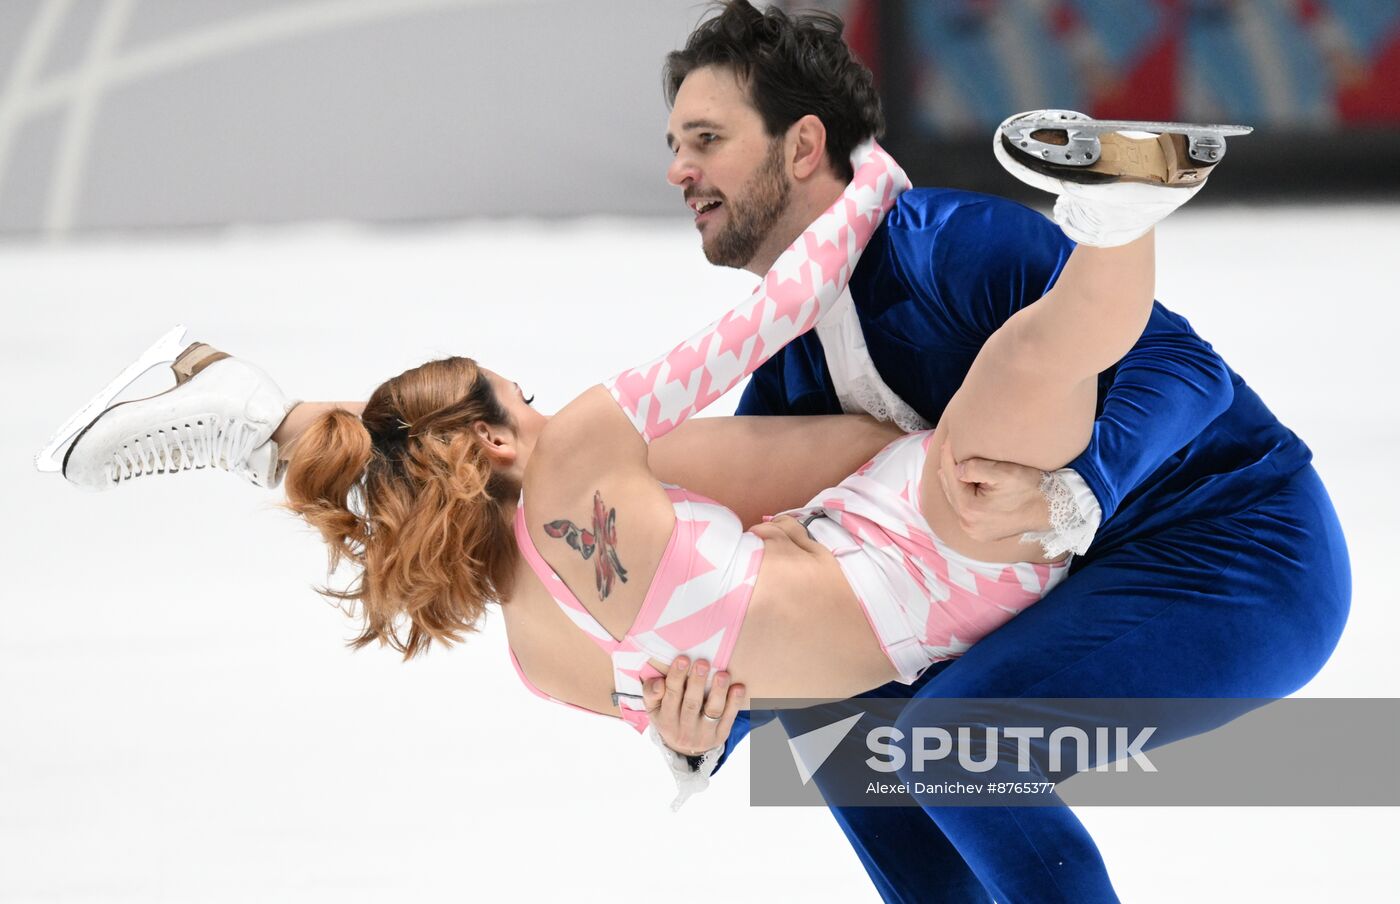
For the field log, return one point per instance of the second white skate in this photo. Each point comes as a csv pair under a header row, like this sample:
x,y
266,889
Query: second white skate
x,y
221,413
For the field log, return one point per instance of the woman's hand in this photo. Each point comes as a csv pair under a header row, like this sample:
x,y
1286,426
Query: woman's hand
x,y
689,720
993,499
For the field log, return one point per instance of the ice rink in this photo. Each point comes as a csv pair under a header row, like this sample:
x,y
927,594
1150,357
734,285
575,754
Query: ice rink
x,y
180,719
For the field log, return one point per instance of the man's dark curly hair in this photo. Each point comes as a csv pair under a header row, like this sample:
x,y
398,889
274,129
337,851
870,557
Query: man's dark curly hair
x,y
793,65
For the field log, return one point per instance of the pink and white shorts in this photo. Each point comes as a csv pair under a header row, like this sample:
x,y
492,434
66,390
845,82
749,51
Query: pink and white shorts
x,y
925,601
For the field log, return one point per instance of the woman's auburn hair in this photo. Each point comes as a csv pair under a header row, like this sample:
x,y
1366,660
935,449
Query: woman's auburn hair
x,y
407,492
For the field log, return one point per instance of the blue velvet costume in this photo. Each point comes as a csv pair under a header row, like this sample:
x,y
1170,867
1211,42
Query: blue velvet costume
x,y
1219,569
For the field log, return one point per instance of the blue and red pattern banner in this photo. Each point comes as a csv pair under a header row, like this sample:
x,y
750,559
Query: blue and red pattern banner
x,y
1316,64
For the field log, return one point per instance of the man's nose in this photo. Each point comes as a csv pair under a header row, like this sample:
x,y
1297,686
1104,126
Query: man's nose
x,y
682,171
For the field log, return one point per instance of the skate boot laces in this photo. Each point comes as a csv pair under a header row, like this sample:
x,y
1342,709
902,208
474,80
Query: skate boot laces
x,y
209,441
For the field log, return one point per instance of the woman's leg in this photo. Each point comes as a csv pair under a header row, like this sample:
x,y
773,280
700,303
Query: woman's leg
x,y
1030,394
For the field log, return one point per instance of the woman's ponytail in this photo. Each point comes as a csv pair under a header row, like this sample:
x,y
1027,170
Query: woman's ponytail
x,y
407,493
327,466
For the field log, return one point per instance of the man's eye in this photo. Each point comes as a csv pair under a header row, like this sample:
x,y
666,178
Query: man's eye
x,y
708,138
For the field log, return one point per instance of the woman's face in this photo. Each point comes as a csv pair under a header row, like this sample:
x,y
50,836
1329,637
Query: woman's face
x,y
527,420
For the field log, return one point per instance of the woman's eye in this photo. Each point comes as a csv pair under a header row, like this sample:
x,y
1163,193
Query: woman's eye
x,y
530,400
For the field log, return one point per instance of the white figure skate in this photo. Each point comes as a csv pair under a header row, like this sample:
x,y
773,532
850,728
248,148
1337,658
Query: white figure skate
x,y
221,413
1116,179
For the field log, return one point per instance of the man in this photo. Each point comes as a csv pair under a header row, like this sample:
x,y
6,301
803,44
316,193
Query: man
x,y
1216,567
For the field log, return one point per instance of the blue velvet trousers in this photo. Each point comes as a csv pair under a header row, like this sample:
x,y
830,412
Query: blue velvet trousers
x,y
1248,604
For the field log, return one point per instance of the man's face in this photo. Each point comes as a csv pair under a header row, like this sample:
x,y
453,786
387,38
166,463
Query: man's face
x,y
731,172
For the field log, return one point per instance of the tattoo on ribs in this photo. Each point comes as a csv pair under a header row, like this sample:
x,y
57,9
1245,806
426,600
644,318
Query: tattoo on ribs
x,y
602,539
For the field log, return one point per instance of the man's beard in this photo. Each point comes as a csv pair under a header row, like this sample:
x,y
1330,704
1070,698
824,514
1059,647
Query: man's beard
x,y
750,220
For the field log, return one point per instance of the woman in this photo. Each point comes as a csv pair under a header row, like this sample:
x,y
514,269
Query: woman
x,y
451,491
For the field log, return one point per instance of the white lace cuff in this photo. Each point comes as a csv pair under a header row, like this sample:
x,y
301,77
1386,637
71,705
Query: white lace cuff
x,y
1074,514
688,781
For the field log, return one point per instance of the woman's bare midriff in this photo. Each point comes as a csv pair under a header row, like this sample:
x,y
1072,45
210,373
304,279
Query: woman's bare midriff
x,y
804,635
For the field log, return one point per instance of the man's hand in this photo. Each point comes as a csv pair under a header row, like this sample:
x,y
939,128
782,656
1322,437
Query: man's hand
x,y
993,500
688,720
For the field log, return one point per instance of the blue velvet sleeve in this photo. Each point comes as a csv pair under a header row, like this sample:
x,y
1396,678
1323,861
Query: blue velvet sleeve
x,y
975,260
1156,400
744,723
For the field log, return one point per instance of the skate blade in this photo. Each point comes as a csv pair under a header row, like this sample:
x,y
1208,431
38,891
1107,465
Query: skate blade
x,y
1064,138
1099,126
165,350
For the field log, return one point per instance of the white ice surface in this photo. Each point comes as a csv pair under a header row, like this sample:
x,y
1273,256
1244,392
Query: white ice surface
x,y
180,721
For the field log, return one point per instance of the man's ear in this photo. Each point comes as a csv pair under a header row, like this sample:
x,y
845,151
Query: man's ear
x,y
499,443
807,146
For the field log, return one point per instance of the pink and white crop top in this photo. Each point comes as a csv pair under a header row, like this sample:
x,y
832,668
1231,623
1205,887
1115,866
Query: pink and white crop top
x,y
700,592
695,604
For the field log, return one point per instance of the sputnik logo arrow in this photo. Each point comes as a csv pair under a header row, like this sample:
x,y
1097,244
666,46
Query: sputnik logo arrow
x,y
810,750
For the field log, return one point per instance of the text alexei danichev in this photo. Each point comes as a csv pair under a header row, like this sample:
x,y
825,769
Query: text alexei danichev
x,y
961,788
